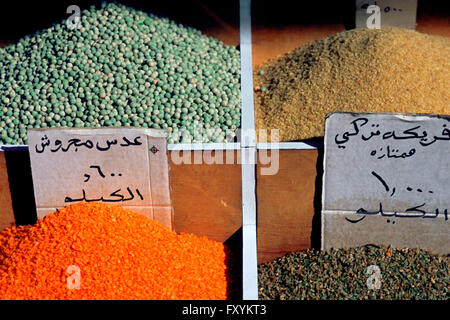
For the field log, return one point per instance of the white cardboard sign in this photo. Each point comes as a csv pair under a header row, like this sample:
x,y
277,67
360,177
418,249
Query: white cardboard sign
x,y
386,181
123,166
394,13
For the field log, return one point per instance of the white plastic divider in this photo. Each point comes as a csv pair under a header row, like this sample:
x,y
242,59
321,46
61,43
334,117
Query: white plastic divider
x,y
209,146
248,138
248,156
289,145
249,247
203,146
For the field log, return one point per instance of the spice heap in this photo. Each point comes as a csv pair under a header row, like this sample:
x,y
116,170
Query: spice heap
x,y
361,70
118,254
346,274
123,67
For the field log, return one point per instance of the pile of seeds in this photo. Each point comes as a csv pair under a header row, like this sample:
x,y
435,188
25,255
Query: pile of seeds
x,y
123,67
99,251
358,273
361,70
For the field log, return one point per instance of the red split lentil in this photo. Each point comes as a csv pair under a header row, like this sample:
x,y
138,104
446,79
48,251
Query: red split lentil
x,y
120,254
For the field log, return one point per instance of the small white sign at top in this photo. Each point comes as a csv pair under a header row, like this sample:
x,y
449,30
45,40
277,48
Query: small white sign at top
x,y
374,14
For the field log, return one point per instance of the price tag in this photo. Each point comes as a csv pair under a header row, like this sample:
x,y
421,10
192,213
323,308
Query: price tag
x,y
394,13
386,181
123,166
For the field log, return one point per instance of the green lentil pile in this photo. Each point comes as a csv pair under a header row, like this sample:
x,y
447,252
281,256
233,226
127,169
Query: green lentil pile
x,y
361,70
123,67
341,274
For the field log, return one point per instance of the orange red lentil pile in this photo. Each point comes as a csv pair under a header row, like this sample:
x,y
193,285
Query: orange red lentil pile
x,y
119,254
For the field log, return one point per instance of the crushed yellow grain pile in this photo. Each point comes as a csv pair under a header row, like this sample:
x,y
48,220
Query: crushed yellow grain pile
x,y
361,70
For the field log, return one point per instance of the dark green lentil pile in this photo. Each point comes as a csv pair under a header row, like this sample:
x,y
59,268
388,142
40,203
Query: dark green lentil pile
x,y
124,67
342,274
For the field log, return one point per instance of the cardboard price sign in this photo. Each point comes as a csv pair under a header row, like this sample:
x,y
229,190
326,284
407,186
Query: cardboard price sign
x,y
123,166
394,13
386,181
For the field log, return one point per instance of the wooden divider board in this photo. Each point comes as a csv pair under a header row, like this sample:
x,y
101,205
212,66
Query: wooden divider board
x,y
207,201
285,204
6,210
206,198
